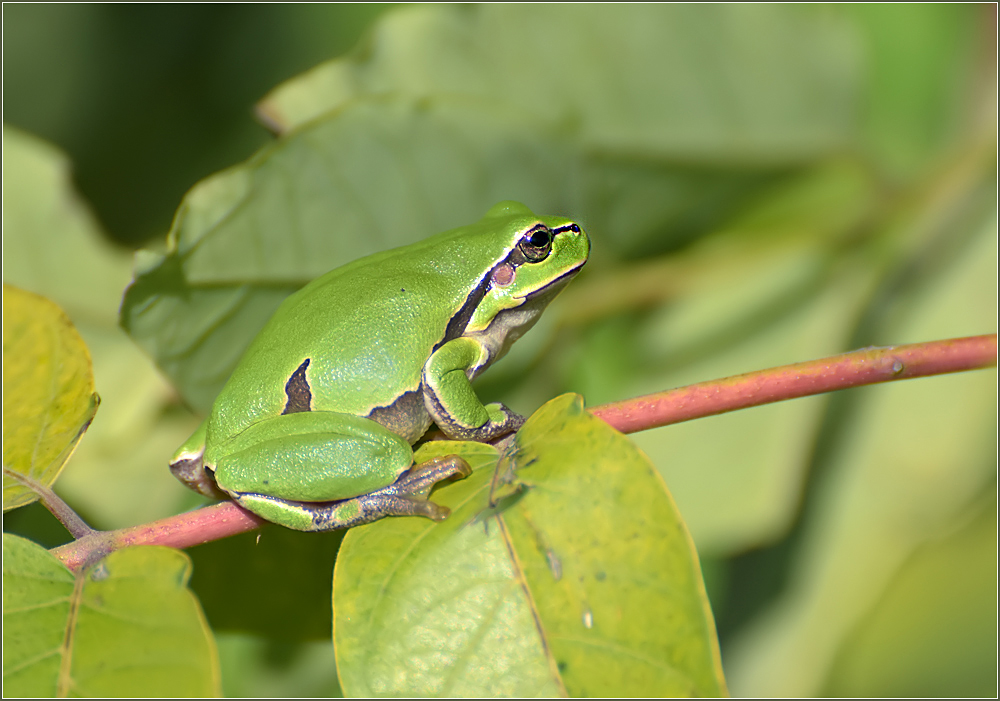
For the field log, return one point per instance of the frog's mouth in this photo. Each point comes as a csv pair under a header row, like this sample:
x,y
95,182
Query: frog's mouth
x,y
547,293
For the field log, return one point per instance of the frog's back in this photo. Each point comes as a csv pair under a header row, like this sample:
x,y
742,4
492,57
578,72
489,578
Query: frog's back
x,y
357,338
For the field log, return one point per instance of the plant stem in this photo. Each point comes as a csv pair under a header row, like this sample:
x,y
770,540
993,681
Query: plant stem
x,y
181,531
855,369
76,526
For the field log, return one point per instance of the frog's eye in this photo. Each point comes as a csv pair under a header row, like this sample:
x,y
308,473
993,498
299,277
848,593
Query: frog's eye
x,y
536,244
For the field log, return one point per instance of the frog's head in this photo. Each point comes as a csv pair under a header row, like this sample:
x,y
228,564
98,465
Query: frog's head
x,y
541,255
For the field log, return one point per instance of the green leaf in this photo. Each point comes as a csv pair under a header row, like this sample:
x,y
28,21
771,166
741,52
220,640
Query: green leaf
x,y
48,392
52,243
725,82
127,626
583,580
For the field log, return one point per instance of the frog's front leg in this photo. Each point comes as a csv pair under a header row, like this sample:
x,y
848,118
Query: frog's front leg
x,y
318,470
451,401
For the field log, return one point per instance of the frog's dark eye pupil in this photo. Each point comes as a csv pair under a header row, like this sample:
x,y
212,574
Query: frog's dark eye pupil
x,y
540,238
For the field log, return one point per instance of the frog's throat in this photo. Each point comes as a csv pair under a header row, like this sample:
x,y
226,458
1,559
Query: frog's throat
x,y
510,324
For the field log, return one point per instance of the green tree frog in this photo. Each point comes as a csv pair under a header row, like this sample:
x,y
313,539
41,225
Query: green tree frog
x,y
314,428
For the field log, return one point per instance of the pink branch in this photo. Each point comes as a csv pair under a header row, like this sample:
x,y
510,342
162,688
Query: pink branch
x,y
863,367
181,531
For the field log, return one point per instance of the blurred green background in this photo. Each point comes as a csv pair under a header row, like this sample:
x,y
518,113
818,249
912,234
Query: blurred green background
x,y
147,100
781,184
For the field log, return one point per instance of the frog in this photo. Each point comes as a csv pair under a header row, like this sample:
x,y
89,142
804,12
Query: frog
x,y
315,427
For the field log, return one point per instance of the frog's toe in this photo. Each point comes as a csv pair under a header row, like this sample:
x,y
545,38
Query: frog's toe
x,y
421,507
425,475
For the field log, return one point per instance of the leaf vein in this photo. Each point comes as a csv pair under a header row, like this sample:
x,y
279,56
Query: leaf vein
x,y
536,617
8,671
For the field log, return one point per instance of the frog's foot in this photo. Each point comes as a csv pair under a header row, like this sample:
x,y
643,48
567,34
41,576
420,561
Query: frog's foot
x,y
501,421
404,497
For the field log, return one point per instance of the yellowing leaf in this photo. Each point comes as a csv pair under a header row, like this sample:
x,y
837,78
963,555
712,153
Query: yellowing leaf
x,y
48,392
582,581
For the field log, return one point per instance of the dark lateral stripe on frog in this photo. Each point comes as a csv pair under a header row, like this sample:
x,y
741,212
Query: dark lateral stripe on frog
x,y
297,391
456,327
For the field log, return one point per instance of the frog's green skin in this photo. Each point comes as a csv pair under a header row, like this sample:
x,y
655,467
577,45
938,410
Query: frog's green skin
x,y
314,427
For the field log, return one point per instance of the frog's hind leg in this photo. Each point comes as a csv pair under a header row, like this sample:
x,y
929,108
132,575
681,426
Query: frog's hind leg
x,y
404,497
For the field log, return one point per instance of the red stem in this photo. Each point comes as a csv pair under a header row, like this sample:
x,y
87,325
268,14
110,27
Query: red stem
x,y
857,368
181,531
